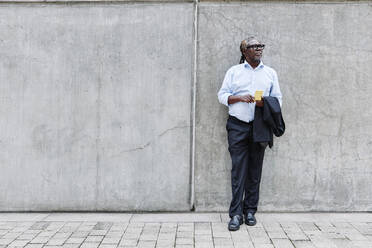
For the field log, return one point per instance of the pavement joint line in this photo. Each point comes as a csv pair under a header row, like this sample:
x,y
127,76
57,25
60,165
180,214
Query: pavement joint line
x,y
175,237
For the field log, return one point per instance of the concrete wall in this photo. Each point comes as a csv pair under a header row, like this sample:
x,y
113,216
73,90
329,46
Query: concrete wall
x,y
323,56
97,104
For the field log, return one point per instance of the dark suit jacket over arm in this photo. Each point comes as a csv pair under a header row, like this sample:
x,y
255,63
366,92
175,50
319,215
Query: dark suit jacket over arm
x,y
268,120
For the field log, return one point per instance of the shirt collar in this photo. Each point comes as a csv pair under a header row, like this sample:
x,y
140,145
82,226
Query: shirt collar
x,y
260,65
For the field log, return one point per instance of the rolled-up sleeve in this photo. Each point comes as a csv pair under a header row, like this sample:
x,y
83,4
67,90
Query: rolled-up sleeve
x,y
225,90
275,89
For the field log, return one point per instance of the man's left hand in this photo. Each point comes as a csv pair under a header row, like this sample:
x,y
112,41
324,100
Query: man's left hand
x,y
259,103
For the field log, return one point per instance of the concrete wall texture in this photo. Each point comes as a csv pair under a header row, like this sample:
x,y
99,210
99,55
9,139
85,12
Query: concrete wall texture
x,y
112,106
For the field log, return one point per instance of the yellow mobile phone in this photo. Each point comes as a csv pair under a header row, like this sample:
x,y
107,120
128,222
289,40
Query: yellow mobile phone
x,y
258,95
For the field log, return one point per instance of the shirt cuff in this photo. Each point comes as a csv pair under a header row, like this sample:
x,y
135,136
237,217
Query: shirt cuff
x,y
225,99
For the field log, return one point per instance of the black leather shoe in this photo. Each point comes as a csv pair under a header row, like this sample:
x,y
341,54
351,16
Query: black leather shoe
x,y
250,220
235,223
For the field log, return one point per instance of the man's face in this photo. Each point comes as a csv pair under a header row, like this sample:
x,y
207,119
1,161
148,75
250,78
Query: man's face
x,y
253,51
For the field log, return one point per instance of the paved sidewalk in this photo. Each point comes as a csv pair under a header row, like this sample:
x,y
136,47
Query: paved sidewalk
x,y
199,230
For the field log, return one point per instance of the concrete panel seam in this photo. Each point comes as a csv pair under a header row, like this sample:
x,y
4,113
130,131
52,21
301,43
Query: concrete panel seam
x,y
193,109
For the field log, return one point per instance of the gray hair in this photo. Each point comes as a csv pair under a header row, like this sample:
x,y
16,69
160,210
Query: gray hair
x,y
243,47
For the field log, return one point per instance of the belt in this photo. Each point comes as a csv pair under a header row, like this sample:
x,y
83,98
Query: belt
x,y
236,120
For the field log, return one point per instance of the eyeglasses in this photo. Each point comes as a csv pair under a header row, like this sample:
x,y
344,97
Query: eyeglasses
x,y
257,46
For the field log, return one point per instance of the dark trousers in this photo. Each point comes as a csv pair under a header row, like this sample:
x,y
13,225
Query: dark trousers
x,y
247,157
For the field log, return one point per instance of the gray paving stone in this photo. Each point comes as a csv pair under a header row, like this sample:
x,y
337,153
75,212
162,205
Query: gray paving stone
x,y
27,236
335,235
115,234
93,238
136,224
184,246
169,224
80,234
149,237
70,245
204,245
245,244
361,244
20,229
356,237
128,242
303,244
131,236
223,234
107,246
259,236
261,240
240,235
185,228
324,244
85,228
166,236
75,240
55,226
111,240
308,226
277,235
146,243
55,241
222,241
34,246
98,232
344,243
18,243
185,234
40,240
48,233
6,241
89,245
134,230
61,235
120,227
203,238
67,229
203,231
297,236
164,244
263,246
165,229
282,243
11,235
184,241
103,226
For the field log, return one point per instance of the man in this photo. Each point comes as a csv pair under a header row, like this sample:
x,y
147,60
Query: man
x,y
237,93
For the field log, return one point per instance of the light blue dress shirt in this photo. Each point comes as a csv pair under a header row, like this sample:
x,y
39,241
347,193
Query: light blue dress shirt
x,y
242,79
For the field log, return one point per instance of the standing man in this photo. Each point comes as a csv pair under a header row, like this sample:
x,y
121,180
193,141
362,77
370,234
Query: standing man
x,y
237,91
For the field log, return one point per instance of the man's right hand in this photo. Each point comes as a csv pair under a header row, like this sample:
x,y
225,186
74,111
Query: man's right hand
x,y
243,98
247,99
